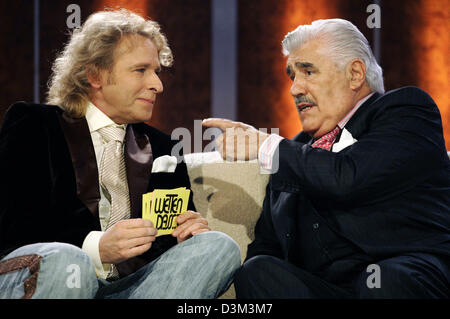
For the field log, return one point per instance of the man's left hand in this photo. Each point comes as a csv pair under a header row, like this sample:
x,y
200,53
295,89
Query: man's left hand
x,y
190,223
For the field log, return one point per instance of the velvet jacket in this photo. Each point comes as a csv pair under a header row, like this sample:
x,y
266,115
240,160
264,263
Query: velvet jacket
x,y
49,184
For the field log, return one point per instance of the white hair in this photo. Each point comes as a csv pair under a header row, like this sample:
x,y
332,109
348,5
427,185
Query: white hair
x,y
344,43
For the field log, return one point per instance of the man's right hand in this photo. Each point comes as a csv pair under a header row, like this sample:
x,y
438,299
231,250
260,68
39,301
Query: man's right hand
x,y
127,238
239,141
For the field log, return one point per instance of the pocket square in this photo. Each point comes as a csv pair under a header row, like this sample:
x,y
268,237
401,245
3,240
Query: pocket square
x,y
345,141
164,164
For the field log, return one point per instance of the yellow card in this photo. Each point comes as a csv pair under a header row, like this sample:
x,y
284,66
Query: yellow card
x,y
162,206
146,205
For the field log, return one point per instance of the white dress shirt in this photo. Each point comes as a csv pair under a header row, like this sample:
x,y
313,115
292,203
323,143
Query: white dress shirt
x,y
96,120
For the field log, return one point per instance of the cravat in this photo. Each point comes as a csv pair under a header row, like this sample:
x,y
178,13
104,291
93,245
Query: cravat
x,y
326,141
113,174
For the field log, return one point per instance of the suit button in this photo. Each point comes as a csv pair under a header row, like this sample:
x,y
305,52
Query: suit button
x,y
316,225
288,235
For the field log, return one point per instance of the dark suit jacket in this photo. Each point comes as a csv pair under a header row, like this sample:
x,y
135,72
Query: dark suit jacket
x,y
49,183
388,193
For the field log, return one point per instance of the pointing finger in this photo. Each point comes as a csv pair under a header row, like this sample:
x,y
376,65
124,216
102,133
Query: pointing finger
x,y
223,124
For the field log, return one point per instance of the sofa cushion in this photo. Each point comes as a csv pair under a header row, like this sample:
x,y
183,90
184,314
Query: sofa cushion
x,y
229,195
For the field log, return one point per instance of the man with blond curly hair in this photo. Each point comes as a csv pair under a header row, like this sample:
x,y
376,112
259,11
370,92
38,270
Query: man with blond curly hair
x,y
74,171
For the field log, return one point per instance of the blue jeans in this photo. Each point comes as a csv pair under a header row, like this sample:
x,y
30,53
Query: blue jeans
x,y
200,267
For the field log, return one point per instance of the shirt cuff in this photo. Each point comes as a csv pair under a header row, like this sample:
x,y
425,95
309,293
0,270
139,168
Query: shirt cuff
x,y
267,151
90,247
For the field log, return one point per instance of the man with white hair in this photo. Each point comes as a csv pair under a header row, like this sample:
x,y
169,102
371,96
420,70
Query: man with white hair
x,y
73,174
358,203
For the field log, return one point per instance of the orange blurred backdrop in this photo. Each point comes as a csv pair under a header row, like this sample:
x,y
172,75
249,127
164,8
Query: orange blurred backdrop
x,y
432,40
429,37
138,6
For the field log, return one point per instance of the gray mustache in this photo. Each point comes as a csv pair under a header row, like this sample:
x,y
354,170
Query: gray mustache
x,y
302,99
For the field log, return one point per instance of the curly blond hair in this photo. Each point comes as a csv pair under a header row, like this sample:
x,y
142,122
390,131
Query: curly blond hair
x,y
91,49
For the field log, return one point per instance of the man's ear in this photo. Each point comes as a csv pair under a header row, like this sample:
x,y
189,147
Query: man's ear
x,y
356,74
93,77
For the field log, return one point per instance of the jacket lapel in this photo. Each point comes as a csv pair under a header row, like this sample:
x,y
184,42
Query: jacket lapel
x,y
79,142
138,161
357,125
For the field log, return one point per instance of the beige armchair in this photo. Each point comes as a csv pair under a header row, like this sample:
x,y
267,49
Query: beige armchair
x,y
229,195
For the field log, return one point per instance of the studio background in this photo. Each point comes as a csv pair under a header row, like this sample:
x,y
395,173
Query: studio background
x,y
228,59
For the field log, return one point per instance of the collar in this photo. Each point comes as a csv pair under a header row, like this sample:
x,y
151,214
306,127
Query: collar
x,y
349,115
96,119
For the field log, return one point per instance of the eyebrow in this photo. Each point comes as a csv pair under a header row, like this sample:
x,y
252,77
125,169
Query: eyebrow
x,y
303,65
140,64
300,65
144,65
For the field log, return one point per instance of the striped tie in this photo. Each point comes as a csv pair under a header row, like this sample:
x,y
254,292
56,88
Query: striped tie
x,y
113,174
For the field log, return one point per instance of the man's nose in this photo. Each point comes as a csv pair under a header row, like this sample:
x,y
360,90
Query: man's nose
x,y
298,87
154,83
